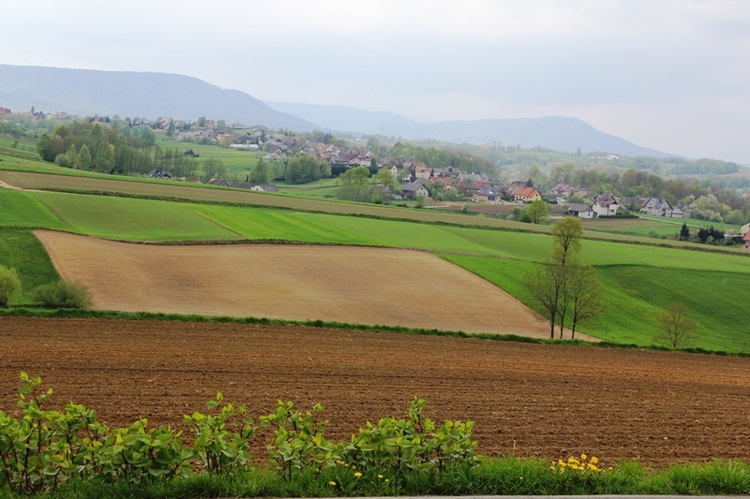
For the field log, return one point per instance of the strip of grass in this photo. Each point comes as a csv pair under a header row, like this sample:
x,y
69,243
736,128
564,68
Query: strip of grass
x,y
498,476
20,209
21,250
131,219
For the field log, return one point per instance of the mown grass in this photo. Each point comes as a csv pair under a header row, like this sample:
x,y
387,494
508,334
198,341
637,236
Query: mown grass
x,y
21,250
131,219
496,476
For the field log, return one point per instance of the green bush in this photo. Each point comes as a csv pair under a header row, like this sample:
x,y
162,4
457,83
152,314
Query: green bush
x,y
10,284
64,294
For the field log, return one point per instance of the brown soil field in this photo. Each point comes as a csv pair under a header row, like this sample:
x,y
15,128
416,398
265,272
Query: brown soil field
x,y
354,285
527,399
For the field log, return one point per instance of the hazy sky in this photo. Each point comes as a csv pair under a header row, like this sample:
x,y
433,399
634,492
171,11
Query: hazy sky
x,y
673,75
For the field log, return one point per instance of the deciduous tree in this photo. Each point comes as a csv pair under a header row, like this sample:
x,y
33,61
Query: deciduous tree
x,y
537,211
10,284
676,328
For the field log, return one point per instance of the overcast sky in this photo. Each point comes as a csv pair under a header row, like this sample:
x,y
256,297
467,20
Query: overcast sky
x,y
673,75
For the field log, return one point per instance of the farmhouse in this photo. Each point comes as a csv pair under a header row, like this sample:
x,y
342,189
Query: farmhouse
x,y
159,174
580,210
526,194
487,193
421,170
412,190
746,241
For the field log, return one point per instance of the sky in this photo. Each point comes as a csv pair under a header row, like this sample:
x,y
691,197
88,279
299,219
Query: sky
x,y
672,75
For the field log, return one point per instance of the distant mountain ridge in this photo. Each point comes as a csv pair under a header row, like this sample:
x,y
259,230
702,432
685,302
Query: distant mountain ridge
x,y
553,132
153,95
134,94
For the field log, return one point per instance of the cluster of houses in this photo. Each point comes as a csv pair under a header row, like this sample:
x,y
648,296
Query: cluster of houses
x,y
607,205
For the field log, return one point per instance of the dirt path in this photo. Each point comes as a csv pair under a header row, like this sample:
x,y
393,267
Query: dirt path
x,y
544,400
332,283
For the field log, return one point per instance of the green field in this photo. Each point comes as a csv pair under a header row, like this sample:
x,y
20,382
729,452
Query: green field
x,y
661,227
634,295
21,250
21,209
237,162
130,219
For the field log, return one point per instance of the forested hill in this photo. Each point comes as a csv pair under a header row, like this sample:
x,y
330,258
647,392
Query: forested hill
x,y
133,94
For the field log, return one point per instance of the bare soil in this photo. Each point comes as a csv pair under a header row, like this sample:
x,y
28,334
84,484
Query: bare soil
x,y
354,285
540,400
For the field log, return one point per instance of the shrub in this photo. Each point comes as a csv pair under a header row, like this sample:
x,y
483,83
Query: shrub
x,y
10,284
64,294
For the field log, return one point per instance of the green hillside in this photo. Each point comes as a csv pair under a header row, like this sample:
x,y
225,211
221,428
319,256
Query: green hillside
x,y
21,209
130,219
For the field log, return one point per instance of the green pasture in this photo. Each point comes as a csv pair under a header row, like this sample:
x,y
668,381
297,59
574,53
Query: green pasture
x,y
235,161
130,219
635,294
21,250
665,227
21,209
323,188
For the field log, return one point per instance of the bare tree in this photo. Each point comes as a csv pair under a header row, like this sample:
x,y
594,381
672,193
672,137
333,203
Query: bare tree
x,y
676,328
545,283
584,292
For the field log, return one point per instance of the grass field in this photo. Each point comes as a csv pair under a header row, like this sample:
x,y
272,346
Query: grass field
x,y
130,219
21,250
664,227
237,162
635,294
21,209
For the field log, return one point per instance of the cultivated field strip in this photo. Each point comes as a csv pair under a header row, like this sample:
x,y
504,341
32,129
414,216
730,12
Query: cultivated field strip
x,y
542,400
332,283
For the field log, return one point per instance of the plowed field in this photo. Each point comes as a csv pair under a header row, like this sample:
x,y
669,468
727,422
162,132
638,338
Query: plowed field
x,y
332,283
543,400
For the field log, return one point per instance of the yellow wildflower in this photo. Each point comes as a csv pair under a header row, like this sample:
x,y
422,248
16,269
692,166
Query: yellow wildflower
x,y
386,480
583,457
594,460
332,483
357,474
593,467
380,476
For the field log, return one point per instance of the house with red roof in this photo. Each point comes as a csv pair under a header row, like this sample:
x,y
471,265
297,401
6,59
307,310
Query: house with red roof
x,y
746,241
526,194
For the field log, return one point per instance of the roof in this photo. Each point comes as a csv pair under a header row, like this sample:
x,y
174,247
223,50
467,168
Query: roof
x,y
579,207
413,186
524,191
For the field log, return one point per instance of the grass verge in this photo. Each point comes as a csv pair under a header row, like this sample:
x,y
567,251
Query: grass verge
x,y
501,476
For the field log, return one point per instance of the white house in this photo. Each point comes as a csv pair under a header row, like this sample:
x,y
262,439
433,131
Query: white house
x,y
580,210
605,205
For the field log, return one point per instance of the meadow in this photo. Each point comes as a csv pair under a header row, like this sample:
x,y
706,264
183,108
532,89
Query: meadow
x,y
649,227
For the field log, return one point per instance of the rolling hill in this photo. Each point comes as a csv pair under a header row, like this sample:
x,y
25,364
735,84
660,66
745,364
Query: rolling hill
x,y
134,94
153,95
